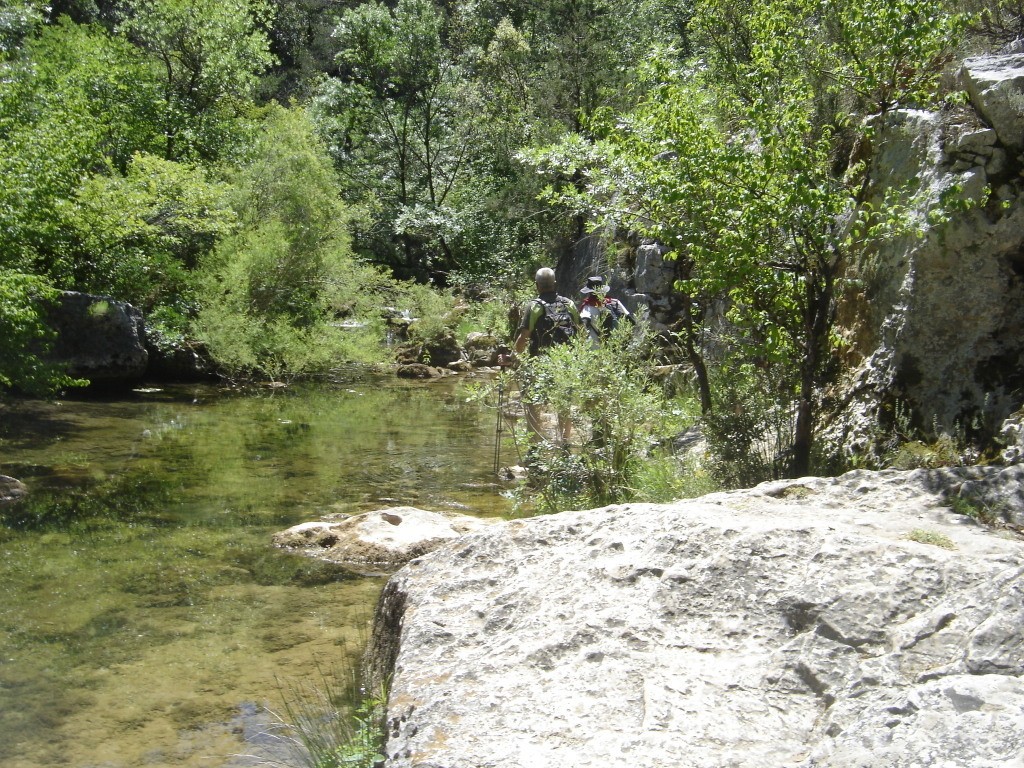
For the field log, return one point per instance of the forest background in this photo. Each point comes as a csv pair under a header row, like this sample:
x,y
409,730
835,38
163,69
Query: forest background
x,y
265,177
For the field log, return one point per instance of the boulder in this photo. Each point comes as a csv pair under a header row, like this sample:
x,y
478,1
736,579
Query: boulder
x,y
11,490
418,371
380,541
1012,436
176,360
482,349
854,621
995,85
442,350
99,338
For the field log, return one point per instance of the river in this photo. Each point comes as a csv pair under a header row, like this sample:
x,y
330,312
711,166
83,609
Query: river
x,y
145,619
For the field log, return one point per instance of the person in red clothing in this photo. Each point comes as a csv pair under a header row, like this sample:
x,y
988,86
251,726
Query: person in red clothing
x,y
599,312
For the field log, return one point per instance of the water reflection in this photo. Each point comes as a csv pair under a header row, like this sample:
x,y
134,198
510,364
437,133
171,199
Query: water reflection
x,y
144,618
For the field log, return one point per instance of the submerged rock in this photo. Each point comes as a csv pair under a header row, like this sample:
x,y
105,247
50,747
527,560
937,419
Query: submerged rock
x,y
380,541
854,621
11,490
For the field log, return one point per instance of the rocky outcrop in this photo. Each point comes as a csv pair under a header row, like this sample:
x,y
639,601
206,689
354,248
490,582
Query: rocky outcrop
x,y
932,322
855,621
377,542
445,356
936,322
176,359
1012,436
99,339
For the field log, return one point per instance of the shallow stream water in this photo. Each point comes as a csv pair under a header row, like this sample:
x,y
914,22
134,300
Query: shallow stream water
x,y
145,619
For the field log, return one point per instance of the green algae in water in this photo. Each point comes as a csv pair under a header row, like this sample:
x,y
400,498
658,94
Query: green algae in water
x,y
144,617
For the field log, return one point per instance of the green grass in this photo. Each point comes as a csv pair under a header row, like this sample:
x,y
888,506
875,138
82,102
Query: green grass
x,y
936,539
330,723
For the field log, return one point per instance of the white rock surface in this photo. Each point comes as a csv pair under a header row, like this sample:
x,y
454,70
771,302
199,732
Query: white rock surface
x,y
996,84
801,623
380,541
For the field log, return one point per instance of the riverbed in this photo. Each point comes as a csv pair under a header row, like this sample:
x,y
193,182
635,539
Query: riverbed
x,y
145,618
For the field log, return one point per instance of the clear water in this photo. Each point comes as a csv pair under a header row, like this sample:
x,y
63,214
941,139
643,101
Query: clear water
x,y
145,619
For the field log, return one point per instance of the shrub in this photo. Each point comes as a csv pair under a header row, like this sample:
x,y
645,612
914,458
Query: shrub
x,y
750,429
26,336
273,293
621,417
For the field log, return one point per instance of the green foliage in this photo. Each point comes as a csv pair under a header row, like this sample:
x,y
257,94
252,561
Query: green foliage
x,y
915,454
72,100
621,414
750,430
403,121
140,235
664,477
433,312
935,538
206,55
23,300
890,52
996,22
488,314
89,205
270,292
17,20
331,725
732,165
977,509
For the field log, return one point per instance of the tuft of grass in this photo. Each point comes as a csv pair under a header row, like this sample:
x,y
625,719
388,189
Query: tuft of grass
x,y
331,722
976,509
936,539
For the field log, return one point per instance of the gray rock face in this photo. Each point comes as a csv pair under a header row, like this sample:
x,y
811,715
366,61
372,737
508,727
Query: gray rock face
x,y
845,622
996,85
99,338
1012,435
937,322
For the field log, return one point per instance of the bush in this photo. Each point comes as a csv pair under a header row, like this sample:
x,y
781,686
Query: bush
x,y
750,429
621,416
274,294
142,233
26,337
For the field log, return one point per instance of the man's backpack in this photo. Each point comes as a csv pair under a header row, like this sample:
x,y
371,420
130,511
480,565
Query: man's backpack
x,y
616,311
554,326
604,318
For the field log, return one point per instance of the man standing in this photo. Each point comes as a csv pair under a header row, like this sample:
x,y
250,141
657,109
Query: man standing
x,y
547,321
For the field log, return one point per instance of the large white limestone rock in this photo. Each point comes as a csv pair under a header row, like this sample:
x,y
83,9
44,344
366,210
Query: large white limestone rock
x,y
854,622
936,322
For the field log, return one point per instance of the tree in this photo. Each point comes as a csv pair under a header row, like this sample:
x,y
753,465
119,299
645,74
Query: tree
x,y
17,21
402,120
732,164
140,236
207,55
24,300
73,101
269,291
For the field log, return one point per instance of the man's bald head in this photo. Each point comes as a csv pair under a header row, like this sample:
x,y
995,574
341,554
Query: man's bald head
x,y
545,279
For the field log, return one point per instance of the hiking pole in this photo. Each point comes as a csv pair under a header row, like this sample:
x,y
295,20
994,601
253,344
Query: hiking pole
x,y
497,427
504,360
